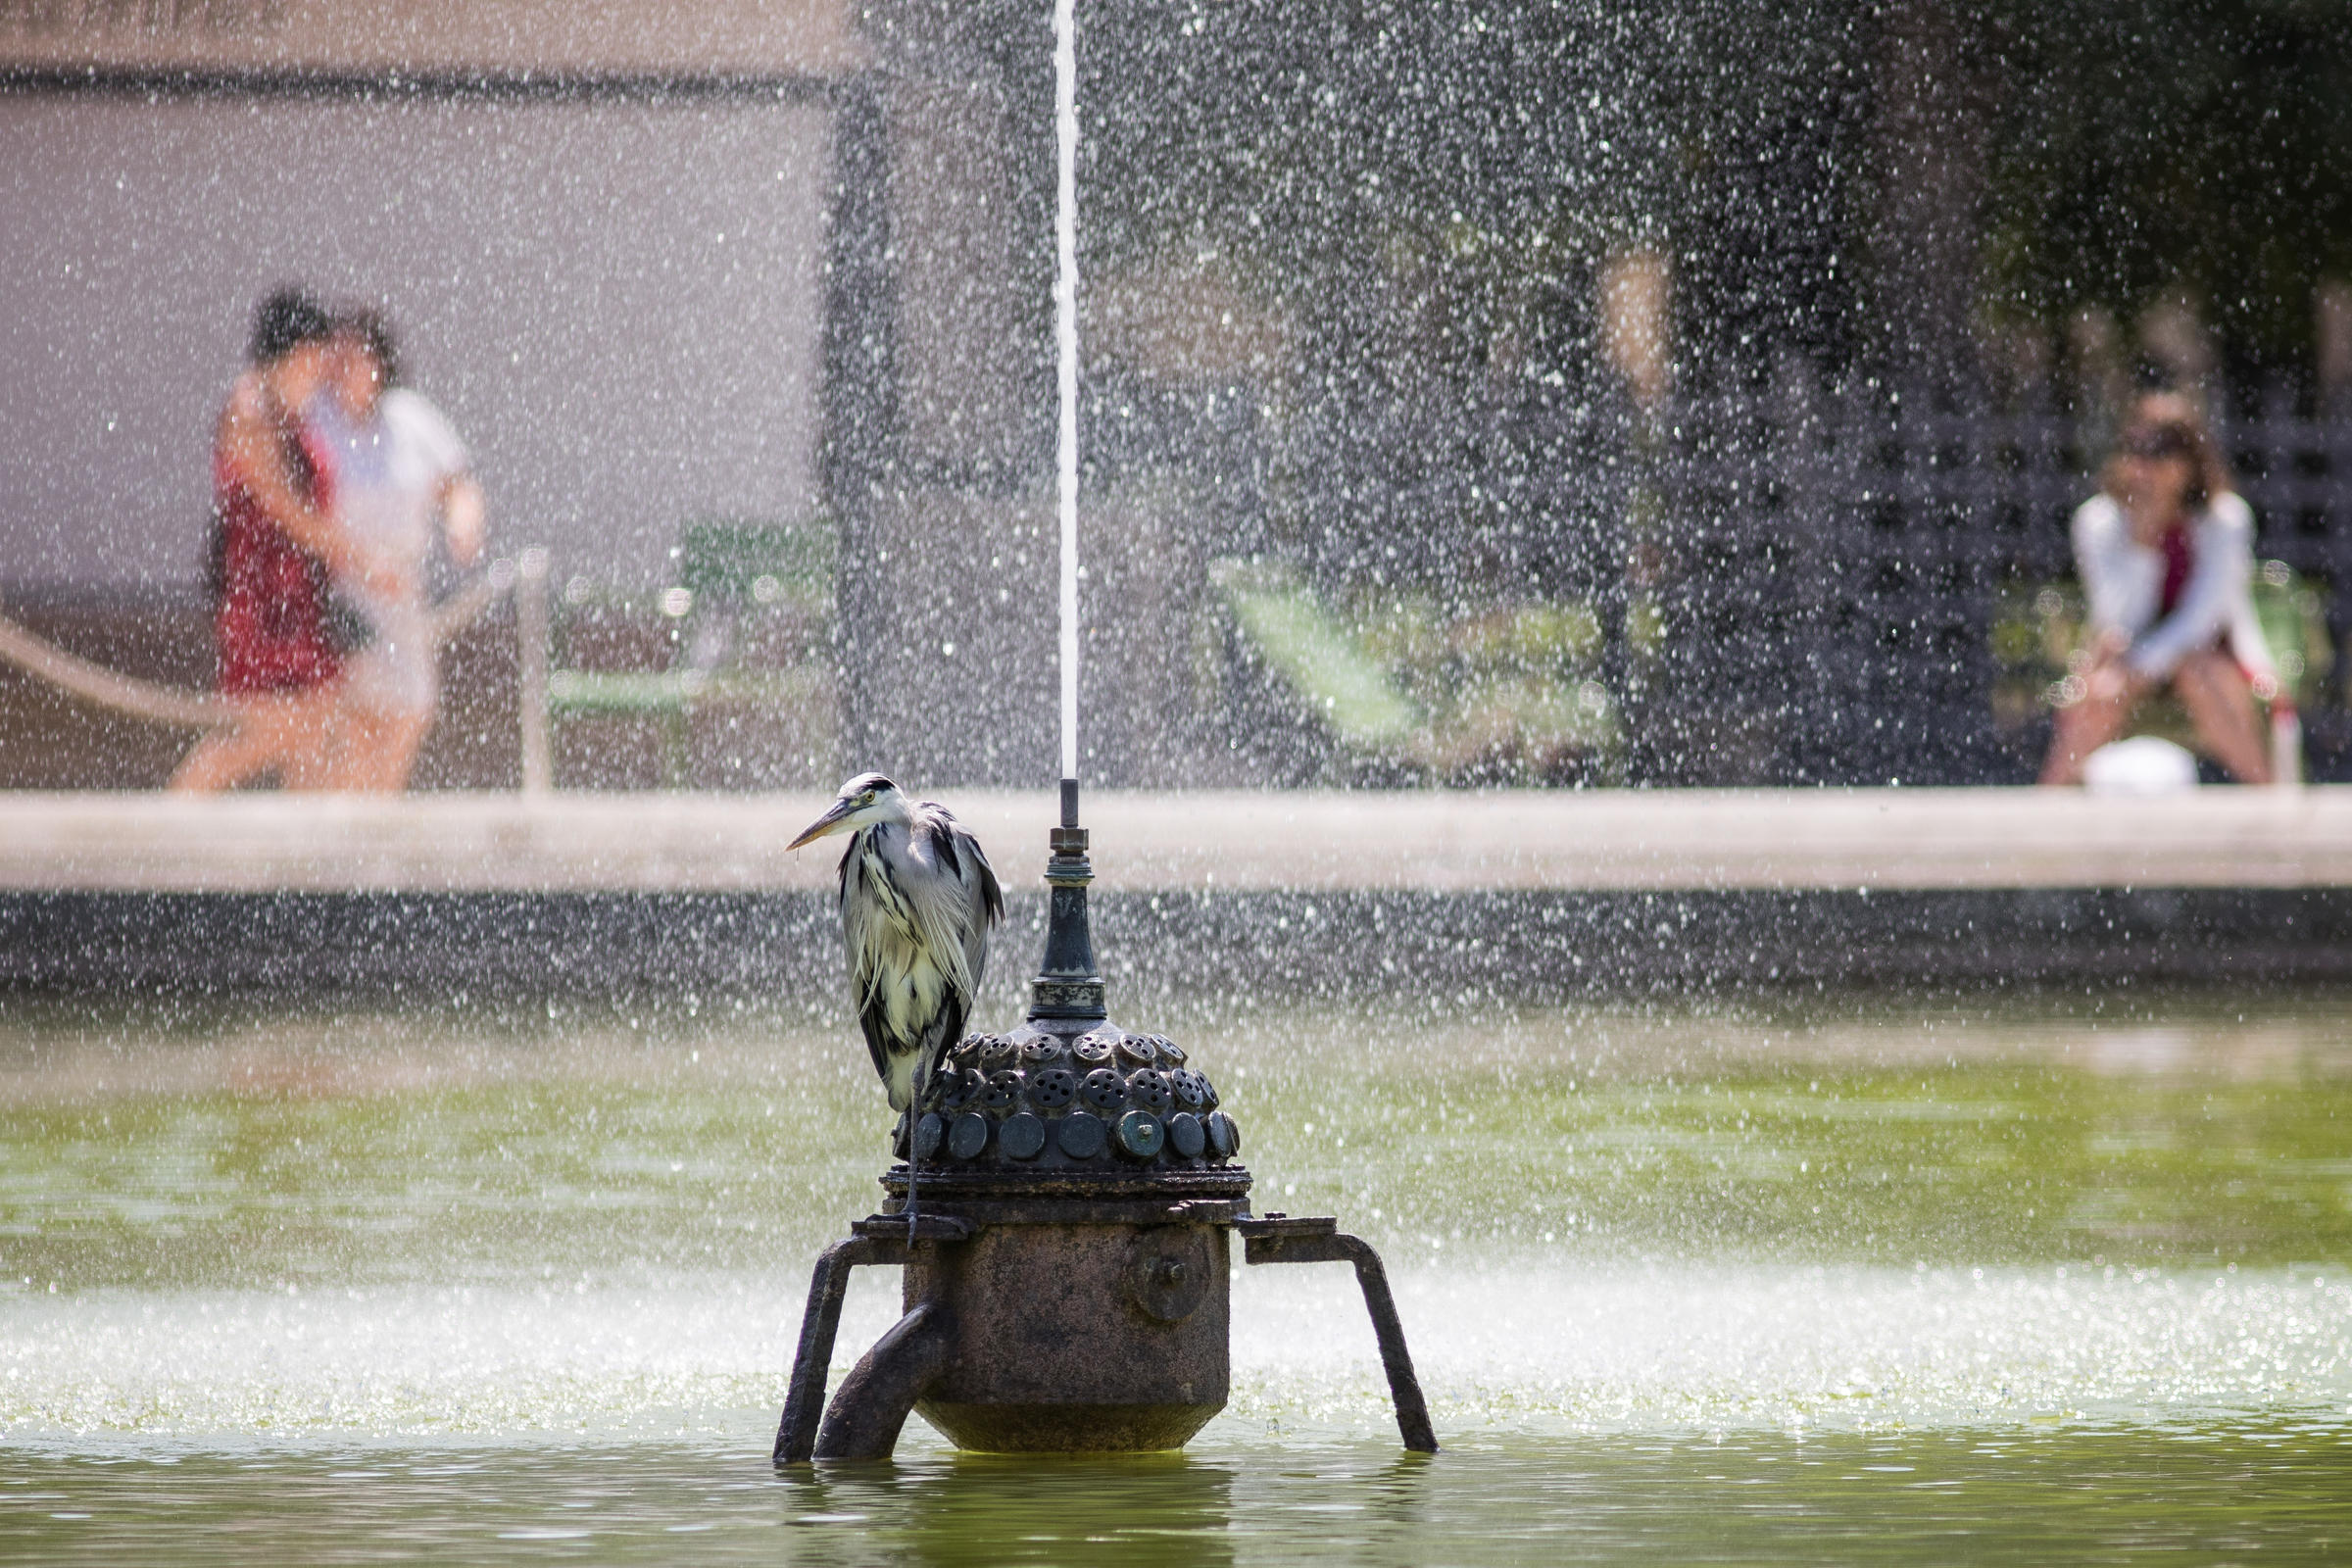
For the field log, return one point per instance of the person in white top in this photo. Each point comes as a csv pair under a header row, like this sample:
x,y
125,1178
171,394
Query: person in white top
x,y
2165,551
397,469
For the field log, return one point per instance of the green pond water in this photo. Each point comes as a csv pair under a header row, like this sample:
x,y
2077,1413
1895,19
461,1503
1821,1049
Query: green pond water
x,y
1852,1280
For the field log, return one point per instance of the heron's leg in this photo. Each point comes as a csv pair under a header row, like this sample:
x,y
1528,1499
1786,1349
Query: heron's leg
x,y
922,1092
872,1405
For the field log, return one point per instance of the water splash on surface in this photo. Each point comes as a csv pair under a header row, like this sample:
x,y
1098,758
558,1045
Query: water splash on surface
x,y
1506,1352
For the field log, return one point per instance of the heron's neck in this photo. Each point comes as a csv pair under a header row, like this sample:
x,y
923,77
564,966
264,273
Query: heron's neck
x,y
898,827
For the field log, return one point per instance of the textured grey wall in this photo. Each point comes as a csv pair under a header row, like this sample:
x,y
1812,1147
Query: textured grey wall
x,y
618,302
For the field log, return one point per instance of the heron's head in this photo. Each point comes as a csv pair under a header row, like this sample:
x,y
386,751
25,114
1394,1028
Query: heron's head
x,y
863,800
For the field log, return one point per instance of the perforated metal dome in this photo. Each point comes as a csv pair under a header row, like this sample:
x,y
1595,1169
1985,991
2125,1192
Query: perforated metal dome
x,y
1089,1096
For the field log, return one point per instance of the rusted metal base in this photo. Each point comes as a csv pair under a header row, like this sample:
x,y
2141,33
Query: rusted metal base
x,y
1078,1337
1059,1316
995,1427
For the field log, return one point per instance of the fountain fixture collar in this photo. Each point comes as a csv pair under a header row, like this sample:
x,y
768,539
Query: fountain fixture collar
x,y
1069,983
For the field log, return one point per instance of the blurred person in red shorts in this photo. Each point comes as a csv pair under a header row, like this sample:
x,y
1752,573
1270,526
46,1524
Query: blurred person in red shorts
x,y
273,549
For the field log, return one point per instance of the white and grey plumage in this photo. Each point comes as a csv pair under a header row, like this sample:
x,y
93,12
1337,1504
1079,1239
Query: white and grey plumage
x,y
917,901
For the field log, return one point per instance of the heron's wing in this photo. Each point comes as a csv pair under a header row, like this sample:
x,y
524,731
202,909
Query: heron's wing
x,y
982,905
872,1021
992,897
954,848
946,1029
988,903
952,905
874,1025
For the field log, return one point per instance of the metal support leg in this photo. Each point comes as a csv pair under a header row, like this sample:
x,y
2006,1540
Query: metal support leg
x,y
1404,1389
879,1240
804,1396
1280,1240
881,1390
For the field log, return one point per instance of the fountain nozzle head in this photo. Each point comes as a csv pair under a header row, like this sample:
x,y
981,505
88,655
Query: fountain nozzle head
x,y
1069,983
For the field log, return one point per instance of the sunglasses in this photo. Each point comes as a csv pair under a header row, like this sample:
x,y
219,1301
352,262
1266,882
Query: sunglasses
x,y
2158,441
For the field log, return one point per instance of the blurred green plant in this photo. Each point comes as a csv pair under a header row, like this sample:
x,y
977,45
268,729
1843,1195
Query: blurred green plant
x,y
746,627
1487,693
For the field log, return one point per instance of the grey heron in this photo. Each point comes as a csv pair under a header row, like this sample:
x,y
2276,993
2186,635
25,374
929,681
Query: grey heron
x,y
917,901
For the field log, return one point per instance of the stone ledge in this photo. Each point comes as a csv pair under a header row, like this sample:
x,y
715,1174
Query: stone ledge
x,y
1208,842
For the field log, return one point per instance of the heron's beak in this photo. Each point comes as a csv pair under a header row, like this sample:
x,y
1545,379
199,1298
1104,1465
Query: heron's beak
x,y
833,821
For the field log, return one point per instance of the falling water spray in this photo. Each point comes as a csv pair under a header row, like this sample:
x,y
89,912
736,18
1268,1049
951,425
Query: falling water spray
x,y
1066,1283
